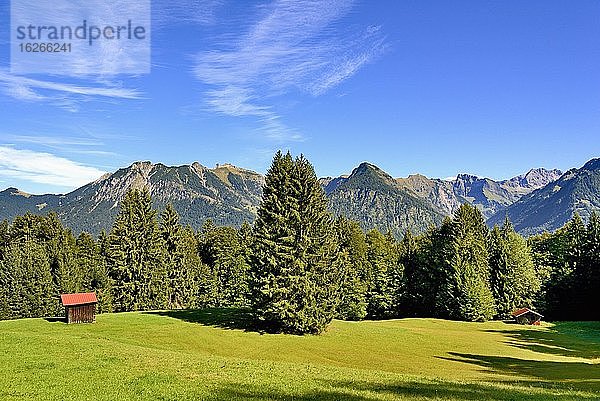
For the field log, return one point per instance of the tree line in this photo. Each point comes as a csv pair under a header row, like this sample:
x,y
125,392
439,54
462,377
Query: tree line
x,y
298,266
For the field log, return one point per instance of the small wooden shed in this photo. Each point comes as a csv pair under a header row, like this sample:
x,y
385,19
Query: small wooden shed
x,y
80,308
527,316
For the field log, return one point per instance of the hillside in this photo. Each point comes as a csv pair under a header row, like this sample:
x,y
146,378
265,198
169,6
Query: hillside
x,y
374,199
226,194
209,355
488,195
230,195
550,207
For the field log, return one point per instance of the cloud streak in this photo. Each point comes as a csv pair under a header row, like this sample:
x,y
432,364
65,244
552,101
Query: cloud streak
x,y
44,168
296,46
29,89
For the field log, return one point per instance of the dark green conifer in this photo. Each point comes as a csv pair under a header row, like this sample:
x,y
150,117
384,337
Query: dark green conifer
x,y
513,279
383,259
465,292
181,261
352,252
295,268
136,256
90,260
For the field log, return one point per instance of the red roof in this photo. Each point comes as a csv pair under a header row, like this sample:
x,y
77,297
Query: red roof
x,y
78,299
522,311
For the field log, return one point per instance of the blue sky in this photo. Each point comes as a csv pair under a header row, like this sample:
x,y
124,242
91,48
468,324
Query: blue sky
x,y
436,87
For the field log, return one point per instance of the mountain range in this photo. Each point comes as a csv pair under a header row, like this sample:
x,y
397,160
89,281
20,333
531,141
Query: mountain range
x,y
536,201
227,194
550,207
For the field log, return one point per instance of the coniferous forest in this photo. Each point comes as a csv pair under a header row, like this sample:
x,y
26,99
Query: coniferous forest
x,y
298,267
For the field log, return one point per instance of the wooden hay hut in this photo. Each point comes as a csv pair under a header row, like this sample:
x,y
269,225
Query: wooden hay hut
x,y
527,316
80,308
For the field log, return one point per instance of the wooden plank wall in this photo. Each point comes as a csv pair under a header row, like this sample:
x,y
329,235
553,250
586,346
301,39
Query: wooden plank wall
x,y
81,313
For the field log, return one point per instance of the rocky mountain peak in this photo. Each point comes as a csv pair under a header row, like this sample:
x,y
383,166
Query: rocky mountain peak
x,y
592,165
468,178
371,170
534,179
366,166
141,165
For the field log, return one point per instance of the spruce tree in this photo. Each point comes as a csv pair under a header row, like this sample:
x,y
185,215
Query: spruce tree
x,y
383,259
466,294
295,268
29,281
193,270
222,251
136,255
181,261
90,260
60,245
353,257
513,279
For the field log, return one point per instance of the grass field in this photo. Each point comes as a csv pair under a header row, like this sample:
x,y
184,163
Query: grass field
x,y
210,355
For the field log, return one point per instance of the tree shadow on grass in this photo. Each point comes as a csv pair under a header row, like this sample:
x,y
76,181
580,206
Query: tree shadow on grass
x,y
224,318
565,375
439,390
572,339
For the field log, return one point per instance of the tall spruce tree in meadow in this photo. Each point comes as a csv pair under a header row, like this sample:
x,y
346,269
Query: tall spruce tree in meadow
x,y
513,278
181,261
296,278
136,255
353,257
466,294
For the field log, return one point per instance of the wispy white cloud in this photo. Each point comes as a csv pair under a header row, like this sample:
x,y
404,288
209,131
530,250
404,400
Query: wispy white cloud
x,y
54,140
82,145
296,45
44,168
29,89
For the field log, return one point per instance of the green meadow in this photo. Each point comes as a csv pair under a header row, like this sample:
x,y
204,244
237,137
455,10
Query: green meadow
x,y
215,355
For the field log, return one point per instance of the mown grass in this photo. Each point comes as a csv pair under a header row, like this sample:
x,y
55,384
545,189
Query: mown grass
x,y
215,355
